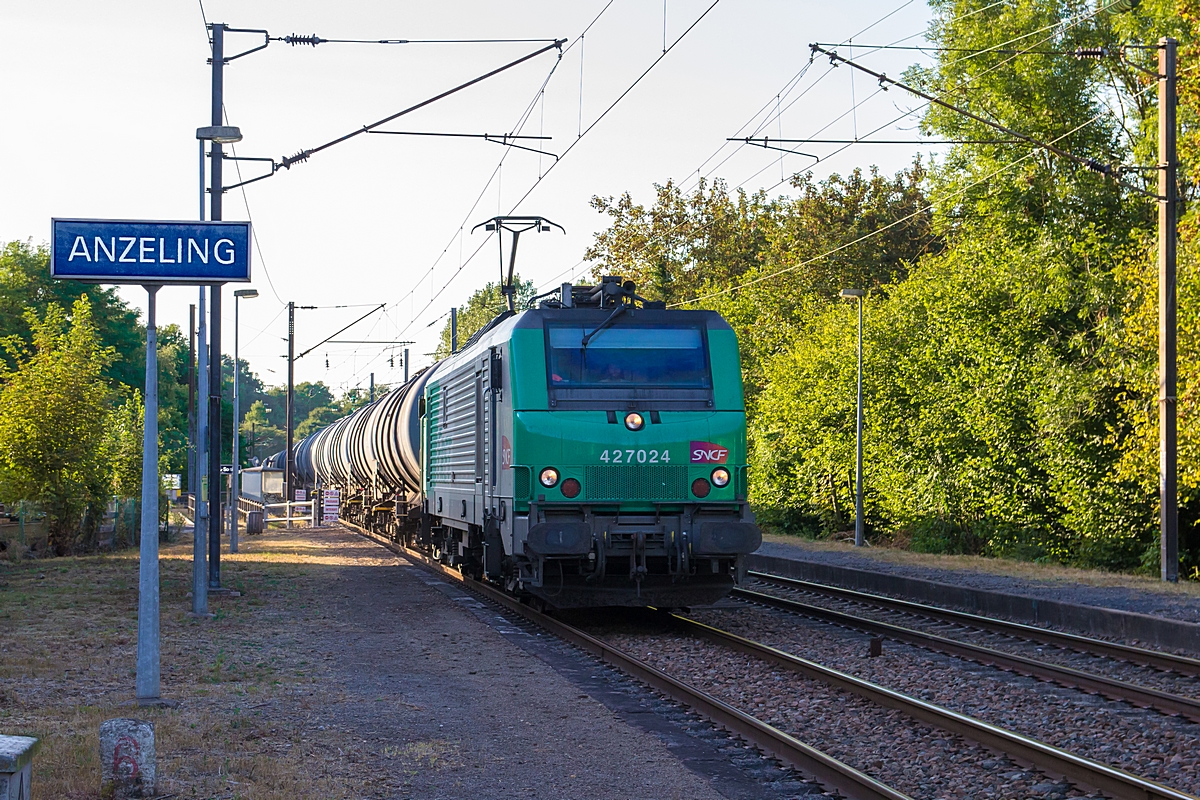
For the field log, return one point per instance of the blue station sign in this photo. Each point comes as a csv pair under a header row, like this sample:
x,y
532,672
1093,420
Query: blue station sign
x,y
135,251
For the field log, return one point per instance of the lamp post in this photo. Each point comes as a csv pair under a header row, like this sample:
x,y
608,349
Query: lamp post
x,y
235,488
858,428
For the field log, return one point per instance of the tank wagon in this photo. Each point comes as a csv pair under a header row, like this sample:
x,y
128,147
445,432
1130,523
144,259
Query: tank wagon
x,y
589,451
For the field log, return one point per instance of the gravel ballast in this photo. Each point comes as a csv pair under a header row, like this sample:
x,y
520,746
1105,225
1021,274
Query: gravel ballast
x,y
1139,674
1143,742
909,756
448,702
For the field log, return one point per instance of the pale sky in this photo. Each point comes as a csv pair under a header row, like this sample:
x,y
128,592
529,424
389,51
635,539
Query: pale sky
x,y
102,100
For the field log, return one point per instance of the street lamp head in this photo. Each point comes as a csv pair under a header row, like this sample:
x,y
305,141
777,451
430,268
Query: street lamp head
x,y
247,293
859,293
221,134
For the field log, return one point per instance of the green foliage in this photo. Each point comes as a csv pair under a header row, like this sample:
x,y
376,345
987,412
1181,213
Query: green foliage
x,y
482,308
25,283
126,426
172,401
53,412
1011,317
318,418
262,438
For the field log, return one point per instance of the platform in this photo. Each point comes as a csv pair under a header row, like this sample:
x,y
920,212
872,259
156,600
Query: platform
x,y
1094,603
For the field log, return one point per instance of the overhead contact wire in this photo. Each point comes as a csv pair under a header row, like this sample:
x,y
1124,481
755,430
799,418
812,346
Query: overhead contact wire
x,y
894,223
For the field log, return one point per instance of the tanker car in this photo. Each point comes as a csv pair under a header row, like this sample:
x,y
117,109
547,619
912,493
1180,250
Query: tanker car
x,y
589,451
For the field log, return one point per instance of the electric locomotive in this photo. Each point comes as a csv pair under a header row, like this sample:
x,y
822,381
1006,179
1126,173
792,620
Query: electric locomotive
x,y
588,451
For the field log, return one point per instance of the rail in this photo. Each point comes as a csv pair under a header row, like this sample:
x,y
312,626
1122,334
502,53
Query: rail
x,y
1070,641
1064,676
1109,780
826,769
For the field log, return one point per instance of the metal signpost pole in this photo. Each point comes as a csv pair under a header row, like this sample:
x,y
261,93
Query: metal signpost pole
x,y
191,465
236,488
214,362
858,467
1168,212
406,365
289,424
860,295
148,678
233,481
200,519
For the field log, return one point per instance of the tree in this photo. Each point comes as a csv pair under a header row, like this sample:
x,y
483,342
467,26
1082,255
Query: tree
x,y
482,308
308,395
126,425
25,283
318,418
53,412
261,437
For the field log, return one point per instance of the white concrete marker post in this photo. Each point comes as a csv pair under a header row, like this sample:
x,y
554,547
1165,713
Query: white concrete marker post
x,y
148,684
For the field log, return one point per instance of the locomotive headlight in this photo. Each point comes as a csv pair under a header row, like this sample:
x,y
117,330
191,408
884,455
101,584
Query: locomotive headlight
x,y
549,477
720,477
634,421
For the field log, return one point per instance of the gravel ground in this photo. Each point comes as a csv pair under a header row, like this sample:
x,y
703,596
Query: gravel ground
x,y
1172,682
444,705
1172,604
1146,743
734,769
911,757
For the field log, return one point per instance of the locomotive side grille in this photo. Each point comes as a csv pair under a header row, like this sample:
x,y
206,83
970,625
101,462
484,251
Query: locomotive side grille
x,y
521,482
636,482
452,433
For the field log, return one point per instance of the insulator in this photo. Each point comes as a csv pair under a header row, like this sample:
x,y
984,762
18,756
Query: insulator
x,y
287,161
312,39
1096,53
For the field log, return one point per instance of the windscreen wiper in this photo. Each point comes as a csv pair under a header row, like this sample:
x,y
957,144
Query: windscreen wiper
x,y
587,337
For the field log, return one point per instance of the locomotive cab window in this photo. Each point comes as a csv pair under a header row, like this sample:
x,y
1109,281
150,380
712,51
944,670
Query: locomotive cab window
x,y
659,365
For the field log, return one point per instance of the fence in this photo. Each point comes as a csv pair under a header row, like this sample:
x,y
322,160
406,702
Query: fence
x,y
23,524
293,512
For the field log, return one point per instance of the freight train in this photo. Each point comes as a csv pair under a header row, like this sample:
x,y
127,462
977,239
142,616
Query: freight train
x,y
587,451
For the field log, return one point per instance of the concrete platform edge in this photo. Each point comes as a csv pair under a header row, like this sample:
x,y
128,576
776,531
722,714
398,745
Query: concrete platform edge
x,y
1150,631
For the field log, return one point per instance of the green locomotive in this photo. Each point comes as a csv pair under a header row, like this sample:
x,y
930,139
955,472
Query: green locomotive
x,y
590,451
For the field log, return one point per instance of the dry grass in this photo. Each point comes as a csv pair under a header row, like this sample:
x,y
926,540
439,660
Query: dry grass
x,y
244,680
1026,570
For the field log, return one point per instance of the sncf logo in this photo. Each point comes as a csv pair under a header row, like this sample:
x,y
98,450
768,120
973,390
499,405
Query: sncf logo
x,y
708,453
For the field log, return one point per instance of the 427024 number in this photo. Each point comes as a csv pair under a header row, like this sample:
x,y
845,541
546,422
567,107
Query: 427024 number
x,y
636,456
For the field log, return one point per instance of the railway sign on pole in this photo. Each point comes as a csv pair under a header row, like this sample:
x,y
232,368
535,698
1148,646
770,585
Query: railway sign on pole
x,y
149,253
143,252
331,500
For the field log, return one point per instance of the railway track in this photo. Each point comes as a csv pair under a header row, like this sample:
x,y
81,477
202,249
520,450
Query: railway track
x,y
829,771
1183,665
1135,694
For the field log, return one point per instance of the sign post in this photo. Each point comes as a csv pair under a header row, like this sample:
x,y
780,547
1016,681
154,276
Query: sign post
x,y
150,254
148,684
330,504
